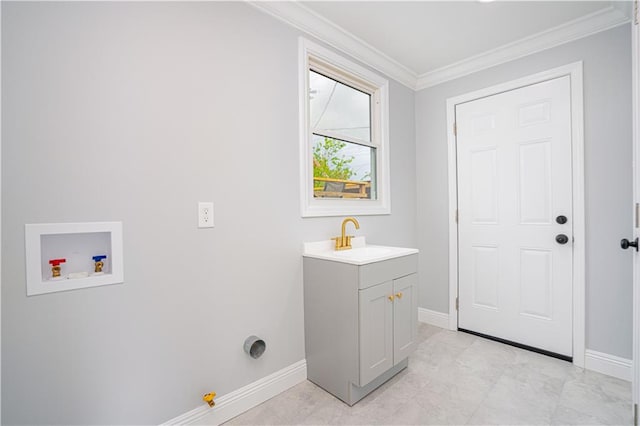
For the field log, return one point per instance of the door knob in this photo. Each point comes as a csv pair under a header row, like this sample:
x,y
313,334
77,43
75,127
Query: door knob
x,y
562,239
625,244
561,219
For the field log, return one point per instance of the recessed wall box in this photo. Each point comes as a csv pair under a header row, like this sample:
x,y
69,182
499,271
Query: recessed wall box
x,y
78,244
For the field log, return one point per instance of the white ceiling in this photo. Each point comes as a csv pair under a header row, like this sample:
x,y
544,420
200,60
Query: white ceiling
x,y
424,36
424,43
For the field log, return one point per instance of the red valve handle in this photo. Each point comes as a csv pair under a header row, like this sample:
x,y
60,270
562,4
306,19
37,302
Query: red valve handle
x,y
56,262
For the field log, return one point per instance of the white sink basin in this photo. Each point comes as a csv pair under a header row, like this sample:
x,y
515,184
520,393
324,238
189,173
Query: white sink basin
x,y
360,254
364,252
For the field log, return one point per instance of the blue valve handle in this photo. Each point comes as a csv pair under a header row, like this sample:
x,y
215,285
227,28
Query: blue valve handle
x,y
99,258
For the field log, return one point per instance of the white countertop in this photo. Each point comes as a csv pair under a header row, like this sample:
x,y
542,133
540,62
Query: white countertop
x,y
360,254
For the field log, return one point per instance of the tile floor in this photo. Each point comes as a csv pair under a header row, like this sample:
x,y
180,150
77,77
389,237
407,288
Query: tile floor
x,y
456,378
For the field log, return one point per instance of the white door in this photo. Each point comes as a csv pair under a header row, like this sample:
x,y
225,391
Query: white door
x,y
514,188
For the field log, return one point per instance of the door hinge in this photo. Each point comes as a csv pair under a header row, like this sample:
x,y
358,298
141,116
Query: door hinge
x,y
457,304
456,215
455,129
635,414
637,215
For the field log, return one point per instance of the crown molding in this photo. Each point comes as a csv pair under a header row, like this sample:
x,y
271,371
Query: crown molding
x,y
587,25
308,21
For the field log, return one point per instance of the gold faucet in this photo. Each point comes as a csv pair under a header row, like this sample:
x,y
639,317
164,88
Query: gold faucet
x,y
343,242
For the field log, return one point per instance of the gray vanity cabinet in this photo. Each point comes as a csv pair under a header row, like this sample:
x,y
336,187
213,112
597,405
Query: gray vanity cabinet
x,y
405,316
360,323
376,331
388,325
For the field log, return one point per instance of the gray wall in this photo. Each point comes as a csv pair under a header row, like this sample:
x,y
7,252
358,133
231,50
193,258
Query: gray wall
x,y
135,112
607,116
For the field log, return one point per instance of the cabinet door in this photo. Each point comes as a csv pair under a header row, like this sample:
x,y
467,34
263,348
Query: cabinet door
x,y
405,317
376,331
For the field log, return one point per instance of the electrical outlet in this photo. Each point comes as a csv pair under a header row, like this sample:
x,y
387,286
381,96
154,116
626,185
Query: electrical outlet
x,y
205,215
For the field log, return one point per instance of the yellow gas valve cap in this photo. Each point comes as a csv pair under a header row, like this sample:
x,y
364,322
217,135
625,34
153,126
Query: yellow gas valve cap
x,y
208,398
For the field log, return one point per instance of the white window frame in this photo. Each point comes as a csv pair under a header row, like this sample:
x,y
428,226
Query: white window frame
x,y
357,76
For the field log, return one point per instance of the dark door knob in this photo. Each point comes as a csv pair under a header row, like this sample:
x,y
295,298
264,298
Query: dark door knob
x,y
625,244
562,239
561,219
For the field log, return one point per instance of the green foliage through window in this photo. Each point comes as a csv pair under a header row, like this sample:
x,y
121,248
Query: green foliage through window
x,y
329,162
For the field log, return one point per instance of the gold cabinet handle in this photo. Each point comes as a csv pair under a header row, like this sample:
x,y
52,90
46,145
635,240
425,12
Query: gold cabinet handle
x,y
399,295
391,297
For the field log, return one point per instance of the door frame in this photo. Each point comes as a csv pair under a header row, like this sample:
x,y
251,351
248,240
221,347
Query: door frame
x,y
574,71
635,95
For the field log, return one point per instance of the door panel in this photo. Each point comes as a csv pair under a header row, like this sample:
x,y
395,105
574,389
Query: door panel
x,y
536,113
405,316
484,190
376,328
514,178
485,277
535,182
535,283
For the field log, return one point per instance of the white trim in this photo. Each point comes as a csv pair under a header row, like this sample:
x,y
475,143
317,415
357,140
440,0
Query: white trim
x,y
310,207
453,213
237,402
438,319
587,25
635,77
308,21
0,214
610,365
573,70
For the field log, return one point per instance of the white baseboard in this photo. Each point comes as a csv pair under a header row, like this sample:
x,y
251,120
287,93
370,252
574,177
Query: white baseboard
x,y
610,365
438,319
237,402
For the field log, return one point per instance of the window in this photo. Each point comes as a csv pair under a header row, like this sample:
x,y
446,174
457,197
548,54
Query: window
x,y
343,134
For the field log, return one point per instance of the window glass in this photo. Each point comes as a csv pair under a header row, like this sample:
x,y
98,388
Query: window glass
x,y
342,169
336,107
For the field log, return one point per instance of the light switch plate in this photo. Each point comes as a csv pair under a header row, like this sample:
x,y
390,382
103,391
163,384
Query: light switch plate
x,y
205,215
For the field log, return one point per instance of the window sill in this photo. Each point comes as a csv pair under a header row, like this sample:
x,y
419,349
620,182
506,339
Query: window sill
x,y
316,210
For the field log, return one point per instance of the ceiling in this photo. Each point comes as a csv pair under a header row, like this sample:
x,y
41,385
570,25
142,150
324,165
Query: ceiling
x,y
427,35
423,43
